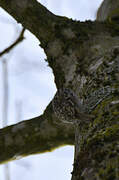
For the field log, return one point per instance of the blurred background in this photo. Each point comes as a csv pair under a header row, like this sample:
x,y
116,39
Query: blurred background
x,y
27,86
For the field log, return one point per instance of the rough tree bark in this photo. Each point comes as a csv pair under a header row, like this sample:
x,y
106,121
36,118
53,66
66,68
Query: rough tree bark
x,y
84,57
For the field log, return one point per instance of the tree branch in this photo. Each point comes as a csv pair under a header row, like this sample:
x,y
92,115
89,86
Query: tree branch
x,y
37,135
32,15
59,36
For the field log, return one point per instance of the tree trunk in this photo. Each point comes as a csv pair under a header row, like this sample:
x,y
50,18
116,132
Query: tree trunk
x,y
85,58
97,144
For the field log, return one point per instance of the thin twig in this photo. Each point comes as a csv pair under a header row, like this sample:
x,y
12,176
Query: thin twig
x,y
18,40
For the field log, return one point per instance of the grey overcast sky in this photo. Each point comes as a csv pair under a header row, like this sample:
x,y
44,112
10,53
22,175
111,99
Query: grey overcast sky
x,y
31,88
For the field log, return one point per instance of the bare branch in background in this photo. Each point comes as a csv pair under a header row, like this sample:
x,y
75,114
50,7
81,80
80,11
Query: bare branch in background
x,y
6,91
5,107
18,40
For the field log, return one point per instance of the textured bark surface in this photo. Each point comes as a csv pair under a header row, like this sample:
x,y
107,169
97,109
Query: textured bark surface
x,y
85,58
108,8
97,144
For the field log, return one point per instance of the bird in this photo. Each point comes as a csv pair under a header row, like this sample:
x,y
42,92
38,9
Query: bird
x,y
68,108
